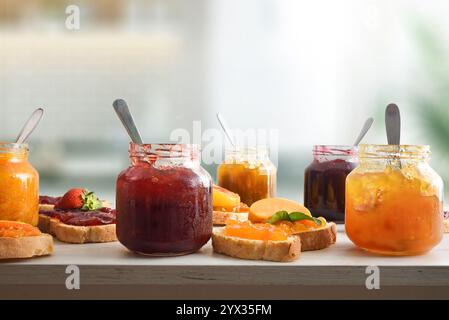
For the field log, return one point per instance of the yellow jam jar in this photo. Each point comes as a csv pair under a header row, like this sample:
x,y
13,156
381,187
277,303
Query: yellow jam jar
x,y
394,200
248,172
19,185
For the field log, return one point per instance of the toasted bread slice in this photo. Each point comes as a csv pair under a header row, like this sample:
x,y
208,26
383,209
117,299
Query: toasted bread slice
x,y
279,251
46,207
318,239
77,234
219,217
26,247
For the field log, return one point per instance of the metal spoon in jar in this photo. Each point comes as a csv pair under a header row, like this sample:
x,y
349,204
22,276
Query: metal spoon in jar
x,y
393,126
30,125
365,129
122,110
226,129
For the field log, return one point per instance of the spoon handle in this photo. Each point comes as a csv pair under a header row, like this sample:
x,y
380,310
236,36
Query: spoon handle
x,y
122,110
30,125
393,124
368,123
225,128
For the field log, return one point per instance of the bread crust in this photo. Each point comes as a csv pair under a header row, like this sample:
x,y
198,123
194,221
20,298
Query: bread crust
x,y
46,207
26,247
219,217
80,234
279,251
318,239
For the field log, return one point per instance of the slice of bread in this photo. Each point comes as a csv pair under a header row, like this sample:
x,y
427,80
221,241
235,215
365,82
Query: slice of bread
x,y
77,234
219,217
26,247
279,251
46,207
446,225
318,239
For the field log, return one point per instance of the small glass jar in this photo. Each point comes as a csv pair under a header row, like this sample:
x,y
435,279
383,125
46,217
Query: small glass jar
x,y
394,201
325,180
249,173
19,185
164,200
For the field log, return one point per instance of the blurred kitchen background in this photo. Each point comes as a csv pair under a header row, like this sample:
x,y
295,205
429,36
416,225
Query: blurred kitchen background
x,y
312,69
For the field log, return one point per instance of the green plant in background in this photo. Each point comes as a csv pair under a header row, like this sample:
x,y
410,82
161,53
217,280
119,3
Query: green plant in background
x,y
432,97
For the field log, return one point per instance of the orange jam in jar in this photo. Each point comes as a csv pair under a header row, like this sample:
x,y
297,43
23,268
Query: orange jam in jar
x,y
394,201
19,185
249,173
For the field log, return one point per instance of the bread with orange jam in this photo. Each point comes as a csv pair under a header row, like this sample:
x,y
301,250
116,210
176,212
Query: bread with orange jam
x,y
315,233
227,206
21,240
282,250
318,239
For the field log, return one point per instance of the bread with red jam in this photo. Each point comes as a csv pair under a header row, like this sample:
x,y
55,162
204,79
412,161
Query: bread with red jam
x,y
77,217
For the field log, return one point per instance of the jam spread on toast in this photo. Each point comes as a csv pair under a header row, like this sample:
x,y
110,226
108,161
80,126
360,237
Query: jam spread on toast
x,y
48,200
78,216
16,229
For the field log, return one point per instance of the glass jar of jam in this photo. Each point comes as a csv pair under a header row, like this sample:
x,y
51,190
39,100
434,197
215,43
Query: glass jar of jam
x,y
19,185
249,173
164,200
325,180
394,201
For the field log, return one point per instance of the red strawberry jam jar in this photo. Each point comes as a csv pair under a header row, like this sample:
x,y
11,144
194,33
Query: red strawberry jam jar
x,y
325,181
164,200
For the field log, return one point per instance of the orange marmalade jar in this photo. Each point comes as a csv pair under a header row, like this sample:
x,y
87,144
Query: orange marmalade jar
x,y
249,173
394,201
19,185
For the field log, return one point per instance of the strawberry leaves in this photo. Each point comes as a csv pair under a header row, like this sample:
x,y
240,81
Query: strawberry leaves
x,y
90,201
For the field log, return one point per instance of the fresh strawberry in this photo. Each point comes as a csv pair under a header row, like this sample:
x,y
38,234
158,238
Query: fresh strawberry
x,y
78,198
72,199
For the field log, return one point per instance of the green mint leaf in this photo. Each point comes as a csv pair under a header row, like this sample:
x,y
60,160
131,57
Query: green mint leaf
x,y
297,216
91,201
293,216
279,216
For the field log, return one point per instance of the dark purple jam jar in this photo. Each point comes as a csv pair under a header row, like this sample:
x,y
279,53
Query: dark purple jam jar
x,y
325,181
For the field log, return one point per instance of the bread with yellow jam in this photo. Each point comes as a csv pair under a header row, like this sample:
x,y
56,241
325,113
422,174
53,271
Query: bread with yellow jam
x,y
227,206
22,240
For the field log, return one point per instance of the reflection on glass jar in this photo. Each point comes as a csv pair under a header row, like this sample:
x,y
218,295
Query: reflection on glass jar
x,y
164,200
19,185
394,201
325,180
249,173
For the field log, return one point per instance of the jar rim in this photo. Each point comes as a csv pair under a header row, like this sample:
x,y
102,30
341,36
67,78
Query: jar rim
x,y
164,150
13,147
338,150
242,148
398,151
